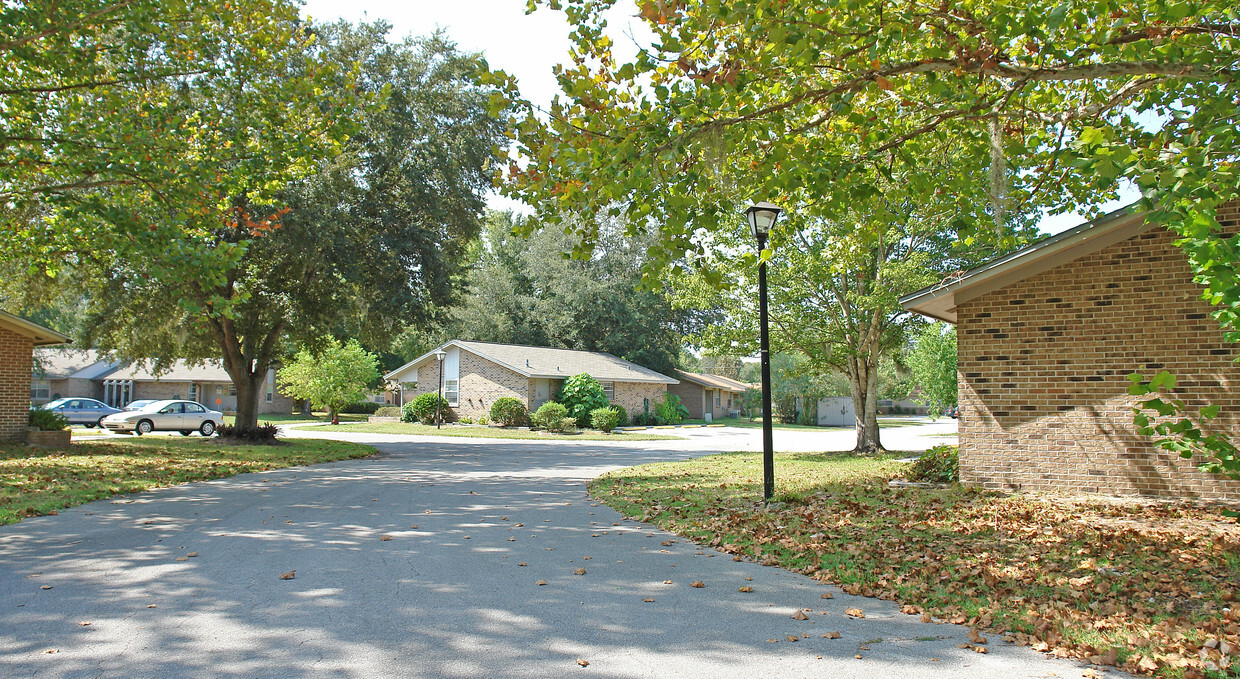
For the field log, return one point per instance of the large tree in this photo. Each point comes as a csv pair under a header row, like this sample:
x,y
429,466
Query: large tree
x,y
524,290
372,239
800,101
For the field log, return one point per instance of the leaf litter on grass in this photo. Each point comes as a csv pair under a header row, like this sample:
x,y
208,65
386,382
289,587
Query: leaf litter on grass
x,y
1147,587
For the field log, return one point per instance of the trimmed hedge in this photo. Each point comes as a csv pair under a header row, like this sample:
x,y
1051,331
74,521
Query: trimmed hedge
x,y
361,408
553,417
388,411
509,412
604,419
422,409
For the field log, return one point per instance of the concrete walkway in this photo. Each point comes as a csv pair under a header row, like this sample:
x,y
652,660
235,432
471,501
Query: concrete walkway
x,y
428,561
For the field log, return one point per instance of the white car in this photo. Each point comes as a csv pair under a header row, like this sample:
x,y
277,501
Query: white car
x,y
186,417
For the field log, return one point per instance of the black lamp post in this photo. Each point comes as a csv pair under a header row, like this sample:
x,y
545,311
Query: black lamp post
x,y
762,217
441,355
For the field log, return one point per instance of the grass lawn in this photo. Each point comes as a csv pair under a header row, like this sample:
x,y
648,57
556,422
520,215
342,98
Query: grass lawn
x,y
884,422
34,482
280,418
490,432
1149,587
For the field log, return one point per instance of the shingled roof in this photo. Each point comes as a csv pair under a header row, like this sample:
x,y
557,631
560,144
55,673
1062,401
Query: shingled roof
x,y
551,363
712,381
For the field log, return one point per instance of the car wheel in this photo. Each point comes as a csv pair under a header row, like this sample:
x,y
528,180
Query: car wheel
x,y
186,432
144,427
100,423
207,428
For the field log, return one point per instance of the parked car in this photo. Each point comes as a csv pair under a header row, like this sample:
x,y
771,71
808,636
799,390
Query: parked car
x,y
85,411
139,405
183,416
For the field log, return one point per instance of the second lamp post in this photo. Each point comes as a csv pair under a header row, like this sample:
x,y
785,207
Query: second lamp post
x,y
762,217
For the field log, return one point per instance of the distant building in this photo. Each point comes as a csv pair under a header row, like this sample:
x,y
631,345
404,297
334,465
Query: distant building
x,y
18,338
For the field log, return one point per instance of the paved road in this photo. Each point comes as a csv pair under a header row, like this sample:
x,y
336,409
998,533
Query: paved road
x,y
454,592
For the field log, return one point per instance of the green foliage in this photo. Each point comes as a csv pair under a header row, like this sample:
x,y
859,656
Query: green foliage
x,y
263,433
334,377
483,421
553,417
422,409
524,291
46,420
645,419
1175,427
362,408
509,412
671,410
604,419
940,464
622,415
581,394
466,420
933,364
388,411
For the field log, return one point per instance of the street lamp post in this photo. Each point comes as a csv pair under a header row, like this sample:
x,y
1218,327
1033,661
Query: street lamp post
x,y
441,355
762,217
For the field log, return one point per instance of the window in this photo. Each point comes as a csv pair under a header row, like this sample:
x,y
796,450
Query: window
x,y
271,385
193,392
194,408
609,390
452,392
232,390
40,390
718,398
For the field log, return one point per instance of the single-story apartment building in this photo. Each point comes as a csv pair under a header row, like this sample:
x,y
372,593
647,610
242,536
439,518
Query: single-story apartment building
x,y
706,395
18,338
1046,338
85,372
475,374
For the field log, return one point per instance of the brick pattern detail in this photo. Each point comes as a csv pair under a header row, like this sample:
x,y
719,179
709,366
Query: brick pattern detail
x,y
633,395
16,352
1043,368
691,395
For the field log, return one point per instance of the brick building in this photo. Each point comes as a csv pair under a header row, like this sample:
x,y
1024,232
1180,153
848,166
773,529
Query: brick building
x,y
475,374
704,394
1046,337
18,338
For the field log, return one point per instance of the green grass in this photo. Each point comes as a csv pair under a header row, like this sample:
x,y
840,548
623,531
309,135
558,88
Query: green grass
x,y
1147,583
489,432
34,482
884,422
295,418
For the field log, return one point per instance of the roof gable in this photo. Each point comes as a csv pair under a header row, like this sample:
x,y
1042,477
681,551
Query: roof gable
x,y
40,335
712,381
549,363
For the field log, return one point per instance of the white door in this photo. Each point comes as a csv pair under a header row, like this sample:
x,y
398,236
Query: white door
x,y
542,392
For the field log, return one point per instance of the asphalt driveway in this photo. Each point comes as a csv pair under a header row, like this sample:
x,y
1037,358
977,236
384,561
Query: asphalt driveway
x,y
429,561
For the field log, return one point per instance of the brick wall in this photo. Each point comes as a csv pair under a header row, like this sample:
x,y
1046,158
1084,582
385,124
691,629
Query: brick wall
x,y
691,395
631,395
15,355
1043,368
482,382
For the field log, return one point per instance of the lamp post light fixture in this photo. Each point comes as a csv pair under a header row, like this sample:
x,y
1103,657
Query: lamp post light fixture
x,y
761,218
441,355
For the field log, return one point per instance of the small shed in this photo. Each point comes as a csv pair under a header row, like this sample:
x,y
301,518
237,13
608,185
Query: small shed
x,y
18,338
836,411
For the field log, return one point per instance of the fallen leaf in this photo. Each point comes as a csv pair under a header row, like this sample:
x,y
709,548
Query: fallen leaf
x,y
84,624
583,663
414,526
979,649
649,601
792,637
858,656
152,606
289,575
863,648
745,589
926,617
472,493
976,638
192,554
854,612
52,650
540,583
832,635
800,615
772,641
182,558
667,582
697,583
828,595
517,525
512,539
46,587
522,564
385,538
579,571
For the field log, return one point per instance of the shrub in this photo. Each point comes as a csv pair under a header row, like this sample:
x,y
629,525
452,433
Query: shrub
x,y
422,409
645,419
388,411
622,415
263,433
581,394
671,410
509,412
46,420
552,416
483,421
604,419
466,420
361,408
940,464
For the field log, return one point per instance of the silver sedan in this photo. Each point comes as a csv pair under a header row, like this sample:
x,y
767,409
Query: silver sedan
x,y
183,416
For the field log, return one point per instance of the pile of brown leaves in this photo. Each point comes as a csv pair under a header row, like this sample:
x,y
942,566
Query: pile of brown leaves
x,y
1147,587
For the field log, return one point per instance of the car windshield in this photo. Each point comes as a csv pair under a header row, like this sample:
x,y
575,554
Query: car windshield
x,y
57,402
155,406
138,405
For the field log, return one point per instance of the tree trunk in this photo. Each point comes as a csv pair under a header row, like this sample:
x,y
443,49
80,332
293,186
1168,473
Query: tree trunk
x,y
863,380
305,407
335,416
247,399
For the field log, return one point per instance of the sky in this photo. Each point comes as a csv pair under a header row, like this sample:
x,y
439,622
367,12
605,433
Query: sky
x,y
529,46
